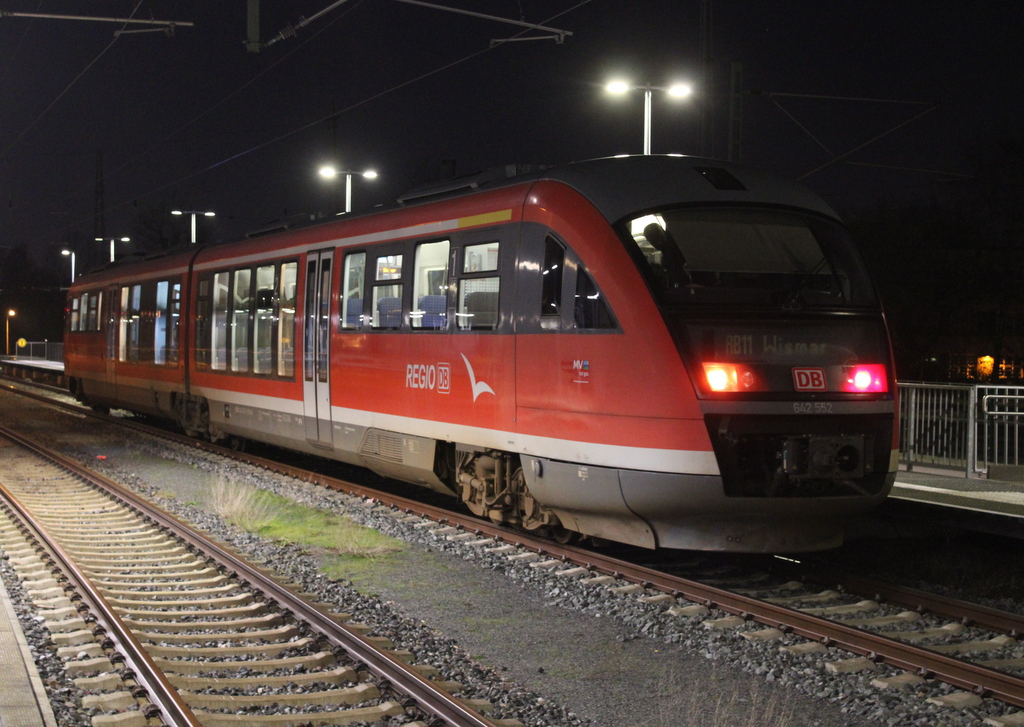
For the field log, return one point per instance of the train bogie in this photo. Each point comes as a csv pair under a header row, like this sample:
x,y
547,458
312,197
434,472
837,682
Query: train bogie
x,y
668,352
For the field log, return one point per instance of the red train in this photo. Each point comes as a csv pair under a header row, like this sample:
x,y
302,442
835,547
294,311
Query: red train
x,y
665,351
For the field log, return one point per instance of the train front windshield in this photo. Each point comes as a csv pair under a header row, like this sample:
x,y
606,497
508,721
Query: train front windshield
x,y
762,299
758,258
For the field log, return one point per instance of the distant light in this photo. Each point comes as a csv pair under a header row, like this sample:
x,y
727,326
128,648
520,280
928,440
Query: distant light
x,y
370,174
209,214
621,156
11,313
680,90
126,239
328,172
173,212
617,87
65,252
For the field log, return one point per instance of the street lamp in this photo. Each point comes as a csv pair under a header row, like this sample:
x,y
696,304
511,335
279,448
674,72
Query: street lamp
x,y
112,241
328,171
72,254
10,315
193,213
676,90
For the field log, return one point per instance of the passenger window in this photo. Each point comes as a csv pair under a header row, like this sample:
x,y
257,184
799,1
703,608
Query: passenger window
x,y
75,302
122,326
95,305
134,315
160,323
591,310
263,343
241,300
551,285
286,320
173,323
478,294
204,312
480,258
219,341
430,287
387,298
352,281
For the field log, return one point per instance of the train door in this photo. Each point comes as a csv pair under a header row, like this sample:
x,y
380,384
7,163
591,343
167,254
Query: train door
x,y
316,354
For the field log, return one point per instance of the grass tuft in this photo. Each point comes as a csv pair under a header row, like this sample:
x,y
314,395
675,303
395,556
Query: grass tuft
x,y
681,702
282,520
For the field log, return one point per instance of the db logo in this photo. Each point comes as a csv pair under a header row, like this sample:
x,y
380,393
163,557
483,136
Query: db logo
x,y
809,380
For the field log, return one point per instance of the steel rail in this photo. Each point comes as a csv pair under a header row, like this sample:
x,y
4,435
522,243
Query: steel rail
x,y
159,690
967,613
974,677
403,678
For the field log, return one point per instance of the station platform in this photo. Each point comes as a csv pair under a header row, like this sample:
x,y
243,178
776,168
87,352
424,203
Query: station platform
x,y
23,700
988,496
33,369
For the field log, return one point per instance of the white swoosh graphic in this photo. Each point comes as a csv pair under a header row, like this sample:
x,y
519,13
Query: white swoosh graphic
x,y
479,387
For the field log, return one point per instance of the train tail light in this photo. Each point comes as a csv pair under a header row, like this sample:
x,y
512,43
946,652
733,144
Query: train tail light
x,y
865,378
731,377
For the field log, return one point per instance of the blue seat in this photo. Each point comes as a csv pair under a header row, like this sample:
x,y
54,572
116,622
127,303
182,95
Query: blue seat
x,y
389,313
353,312
435,310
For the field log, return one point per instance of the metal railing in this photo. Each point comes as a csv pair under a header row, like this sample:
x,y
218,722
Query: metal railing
x,y
40,350
961,427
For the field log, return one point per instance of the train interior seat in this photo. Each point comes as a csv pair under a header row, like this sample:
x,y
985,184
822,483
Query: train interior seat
x,y
435,308
353,312
482,305
389,313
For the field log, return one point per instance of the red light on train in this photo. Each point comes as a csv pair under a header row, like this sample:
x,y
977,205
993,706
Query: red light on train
x,y
731,377
865,378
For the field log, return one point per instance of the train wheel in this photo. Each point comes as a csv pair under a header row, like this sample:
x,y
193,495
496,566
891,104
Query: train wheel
x,y
562,536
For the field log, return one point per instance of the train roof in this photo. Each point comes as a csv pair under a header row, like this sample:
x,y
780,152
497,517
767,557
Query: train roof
x,y
616,186
624,185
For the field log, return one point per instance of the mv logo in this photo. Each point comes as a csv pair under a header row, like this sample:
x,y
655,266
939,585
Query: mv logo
x,y
809,379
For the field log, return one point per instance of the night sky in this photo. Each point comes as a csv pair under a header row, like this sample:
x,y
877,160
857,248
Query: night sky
x,y
195,121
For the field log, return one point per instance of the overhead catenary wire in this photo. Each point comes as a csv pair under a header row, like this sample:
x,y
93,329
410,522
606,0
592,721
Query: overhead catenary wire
x,y
67,88
312,124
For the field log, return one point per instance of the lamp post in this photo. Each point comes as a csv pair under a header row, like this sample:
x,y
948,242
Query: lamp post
x,y
10,315
112,241
193,213
328,171
72,254
676,90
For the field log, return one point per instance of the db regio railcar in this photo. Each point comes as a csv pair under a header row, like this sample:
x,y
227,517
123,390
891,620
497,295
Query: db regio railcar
x,y
670,352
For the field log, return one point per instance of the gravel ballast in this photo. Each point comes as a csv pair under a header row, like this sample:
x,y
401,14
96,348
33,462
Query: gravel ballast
x,y
547,650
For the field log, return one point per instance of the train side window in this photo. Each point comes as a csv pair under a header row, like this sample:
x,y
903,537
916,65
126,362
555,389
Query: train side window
x,y
591,310
93,320
204,316
263,333
353,280
286,293
122,326
75,303
173,323
134,314
430,287
387,297
241,302
551,285
160,323
219,333
478,292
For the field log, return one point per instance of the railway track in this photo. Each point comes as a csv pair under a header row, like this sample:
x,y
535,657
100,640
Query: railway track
x,y
163,622
909,637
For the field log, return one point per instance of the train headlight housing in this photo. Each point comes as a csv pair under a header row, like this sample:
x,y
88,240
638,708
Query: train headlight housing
x,y
865,378
722,377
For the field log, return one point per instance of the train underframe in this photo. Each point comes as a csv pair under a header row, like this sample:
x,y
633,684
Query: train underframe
x,y
566,500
